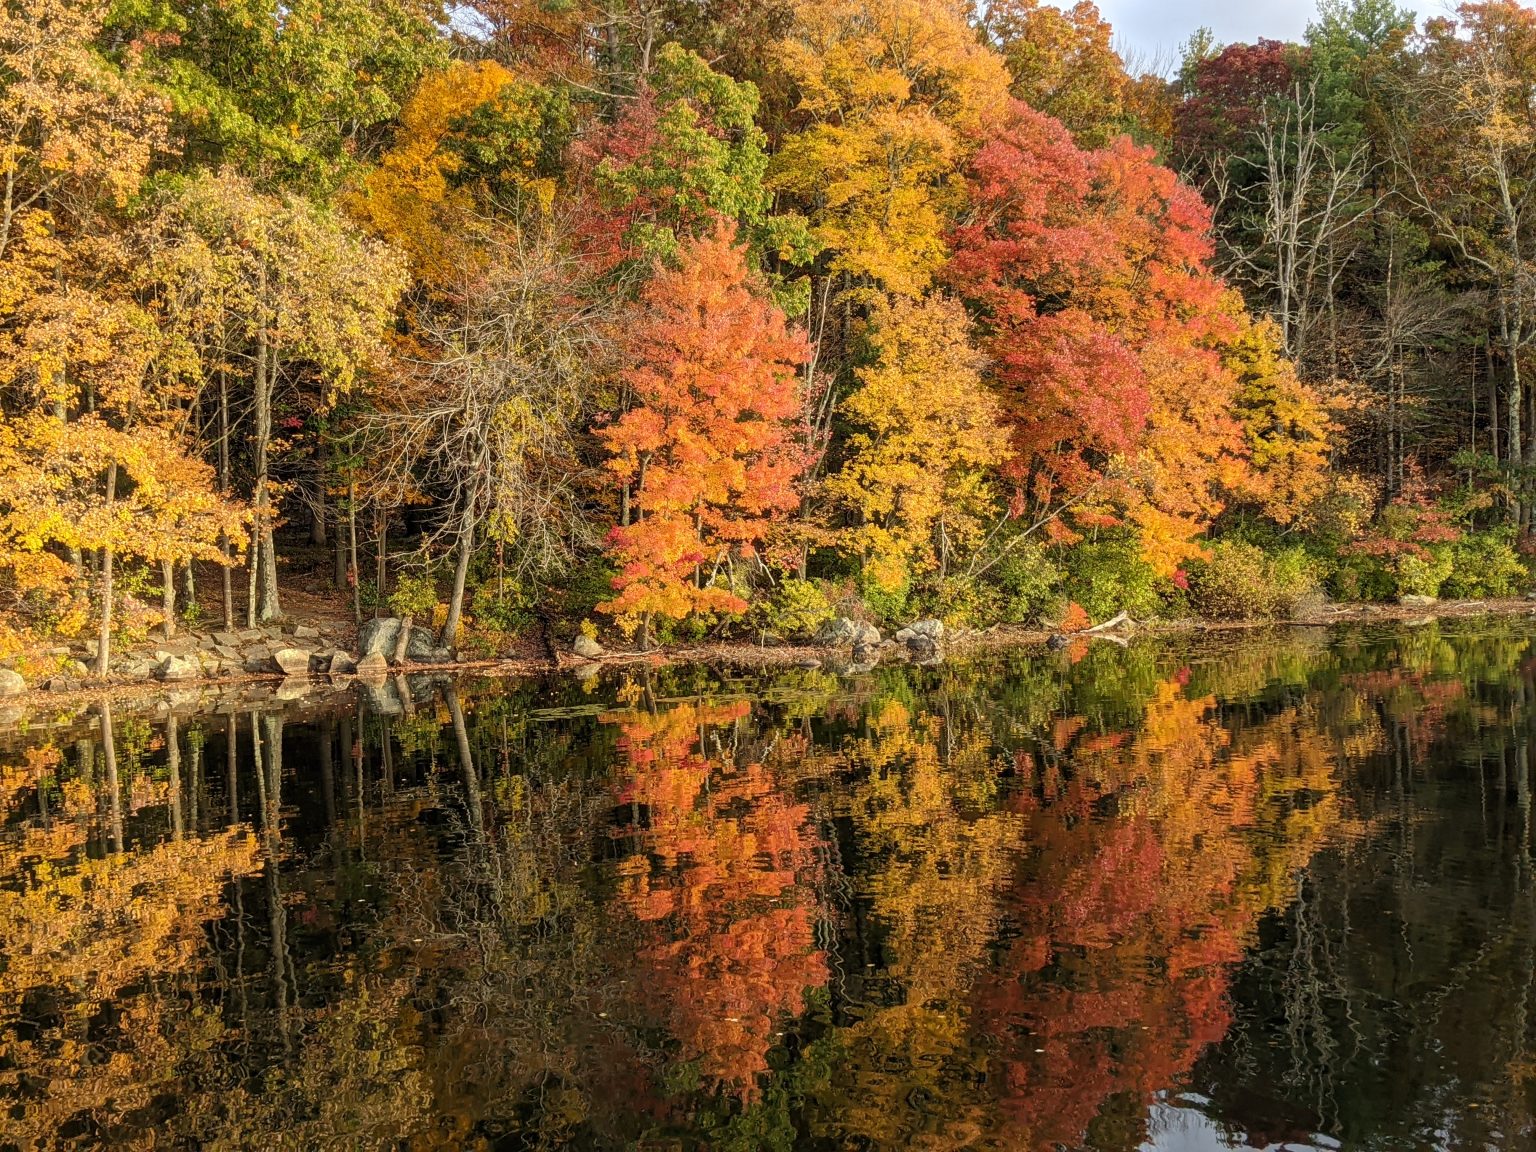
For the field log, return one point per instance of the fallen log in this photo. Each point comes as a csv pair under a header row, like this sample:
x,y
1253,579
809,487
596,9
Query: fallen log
x,y
1109,625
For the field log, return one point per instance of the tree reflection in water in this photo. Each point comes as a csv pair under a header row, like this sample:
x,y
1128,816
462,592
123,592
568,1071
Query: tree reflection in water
x,y
1271,891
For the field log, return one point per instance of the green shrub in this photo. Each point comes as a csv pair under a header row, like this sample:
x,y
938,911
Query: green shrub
x,y
1109,575
885,604
502,606
1423,575
1240,581
1357,578
1486,564
1027,580
797,608
584,587
414,596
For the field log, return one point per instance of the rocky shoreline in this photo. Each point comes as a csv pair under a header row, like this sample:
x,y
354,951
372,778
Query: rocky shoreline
x,y
393,662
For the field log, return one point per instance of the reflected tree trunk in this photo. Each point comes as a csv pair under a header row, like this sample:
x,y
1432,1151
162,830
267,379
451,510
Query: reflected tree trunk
x,y
173,771
267,737
109,766
467,766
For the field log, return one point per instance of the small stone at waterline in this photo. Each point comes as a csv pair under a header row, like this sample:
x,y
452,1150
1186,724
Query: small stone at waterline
x,y
292,661
177,668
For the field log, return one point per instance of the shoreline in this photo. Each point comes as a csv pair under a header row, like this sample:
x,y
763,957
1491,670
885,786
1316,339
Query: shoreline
x,y
734,654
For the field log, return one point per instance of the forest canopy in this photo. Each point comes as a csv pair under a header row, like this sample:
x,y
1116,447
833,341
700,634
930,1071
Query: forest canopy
x,y
680,319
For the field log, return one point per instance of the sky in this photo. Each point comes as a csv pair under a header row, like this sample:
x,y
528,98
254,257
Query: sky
x,y
1146,26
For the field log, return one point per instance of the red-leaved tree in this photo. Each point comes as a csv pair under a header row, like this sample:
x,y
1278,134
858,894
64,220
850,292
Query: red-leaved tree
x,y
1089,271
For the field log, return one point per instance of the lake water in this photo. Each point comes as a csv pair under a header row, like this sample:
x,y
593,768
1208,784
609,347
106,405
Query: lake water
x,y
1270,892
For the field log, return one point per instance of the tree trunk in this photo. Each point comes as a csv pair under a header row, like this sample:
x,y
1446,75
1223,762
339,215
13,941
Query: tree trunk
x,y
104,636
460,574
229,583
265,564
1515,401
380,555
403,643
317,518
357,576
339,560
250,588
168,597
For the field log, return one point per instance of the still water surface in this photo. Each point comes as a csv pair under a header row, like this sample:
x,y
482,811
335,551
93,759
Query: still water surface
x,y
1272,893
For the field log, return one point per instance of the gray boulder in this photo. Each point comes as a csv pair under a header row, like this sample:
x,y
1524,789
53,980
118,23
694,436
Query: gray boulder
x,y
421,646
342,664
11,683
62,684
839,630
292,661
868,636
586,647
138,667
378,636
1415,601
173,667
305,632
929,630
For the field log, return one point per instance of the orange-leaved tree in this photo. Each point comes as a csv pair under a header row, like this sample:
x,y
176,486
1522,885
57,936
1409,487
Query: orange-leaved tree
x,y
706,453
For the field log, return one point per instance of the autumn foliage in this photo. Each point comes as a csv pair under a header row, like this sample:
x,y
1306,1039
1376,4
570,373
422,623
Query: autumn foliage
x,y
922,303
720,875
705,453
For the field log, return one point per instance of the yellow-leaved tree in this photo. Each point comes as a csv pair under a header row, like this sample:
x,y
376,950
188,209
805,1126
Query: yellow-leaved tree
x,y
925,441
888,95
1290,425
471,119
83,485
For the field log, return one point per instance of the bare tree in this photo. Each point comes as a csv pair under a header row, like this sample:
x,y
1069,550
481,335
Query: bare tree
x,y
1465,148
1304,208
490,415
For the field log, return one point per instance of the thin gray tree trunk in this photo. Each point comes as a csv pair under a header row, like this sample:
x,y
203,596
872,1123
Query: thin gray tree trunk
x,y
104,636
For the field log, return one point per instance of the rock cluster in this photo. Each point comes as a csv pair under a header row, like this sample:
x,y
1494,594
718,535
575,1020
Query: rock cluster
x,y
921,642
297,653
